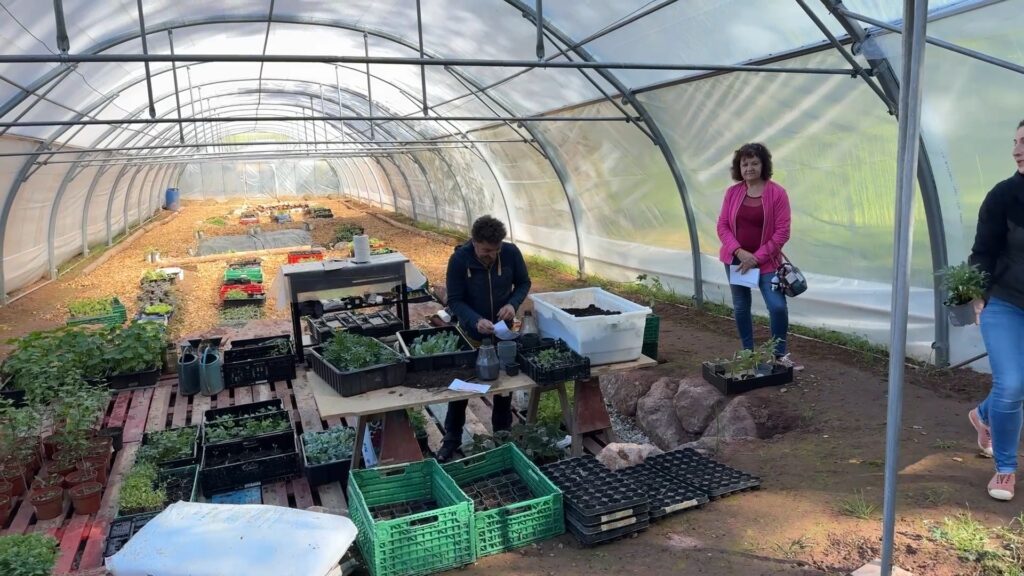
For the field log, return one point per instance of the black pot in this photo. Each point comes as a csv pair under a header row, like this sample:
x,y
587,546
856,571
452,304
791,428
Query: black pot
x,y
116,433
512,369
422,440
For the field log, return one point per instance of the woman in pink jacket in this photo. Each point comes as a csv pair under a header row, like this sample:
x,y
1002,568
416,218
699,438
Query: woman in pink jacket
x,y
753,226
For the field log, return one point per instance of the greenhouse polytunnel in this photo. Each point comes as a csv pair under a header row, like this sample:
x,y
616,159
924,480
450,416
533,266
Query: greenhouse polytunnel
x,y
600,132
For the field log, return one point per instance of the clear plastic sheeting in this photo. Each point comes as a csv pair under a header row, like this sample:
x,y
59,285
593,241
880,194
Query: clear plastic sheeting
x,y
480,190
270,179
404,203
248,242
451,204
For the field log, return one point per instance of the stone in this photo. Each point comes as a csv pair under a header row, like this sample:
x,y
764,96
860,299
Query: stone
x,y
624,389
616,456
734,422
696,403
656,415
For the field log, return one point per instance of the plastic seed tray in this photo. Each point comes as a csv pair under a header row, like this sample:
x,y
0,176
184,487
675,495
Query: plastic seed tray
x,y
711,477
602,537
496,491
594,493
612,522
399,509
122,529
667,494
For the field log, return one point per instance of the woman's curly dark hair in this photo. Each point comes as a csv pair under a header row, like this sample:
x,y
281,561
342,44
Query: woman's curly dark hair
x,y
488,229
752,150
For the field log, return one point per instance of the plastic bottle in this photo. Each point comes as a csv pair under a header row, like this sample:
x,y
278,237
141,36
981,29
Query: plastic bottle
x,y
529,323
487,365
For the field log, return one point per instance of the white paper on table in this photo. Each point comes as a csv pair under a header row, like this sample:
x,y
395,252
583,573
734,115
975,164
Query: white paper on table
x,y
463,386
750,278
502,331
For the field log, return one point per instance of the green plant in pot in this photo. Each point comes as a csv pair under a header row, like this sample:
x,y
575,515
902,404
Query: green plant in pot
x,y
964,283
28,554
167,445
332,445
76,412
137,348
350,352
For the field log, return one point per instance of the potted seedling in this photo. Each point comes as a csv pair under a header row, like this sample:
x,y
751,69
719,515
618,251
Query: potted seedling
x,y
152,254
419,427
538,442
963,283
327,455
28,554
353,364
135,355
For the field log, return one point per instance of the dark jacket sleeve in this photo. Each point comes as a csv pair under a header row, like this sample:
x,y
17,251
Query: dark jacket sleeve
x,y
990,238
520,279
455,282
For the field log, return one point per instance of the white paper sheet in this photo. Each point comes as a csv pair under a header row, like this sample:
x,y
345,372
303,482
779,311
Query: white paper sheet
x,y
749,278
463,386
502,331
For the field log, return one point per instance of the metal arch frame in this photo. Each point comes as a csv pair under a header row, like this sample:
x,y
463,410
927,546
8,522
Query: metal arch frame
x,y
504,200
462,193
655,132
391,185
926,181
376,181
430,187
545,147
358,171
408,187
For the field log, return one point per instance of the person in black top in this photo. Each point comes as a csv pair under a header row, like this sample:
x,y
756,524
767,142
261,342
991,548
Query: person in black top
x,y
999,252
487,281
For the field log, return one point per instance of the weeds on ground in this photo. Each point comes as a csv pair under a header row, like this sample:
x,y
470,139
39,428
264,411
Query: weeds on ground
x,y
972,542
857,506
937,496
793,548
945,444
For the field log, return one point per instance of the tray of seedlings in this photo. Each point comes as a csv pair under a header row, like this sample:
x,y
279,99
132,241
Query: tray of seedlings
x,y
327,455
352,364
553,363
242,295
747,370
668,495
267,359
246,444
709,476
172,448
435,348
122,529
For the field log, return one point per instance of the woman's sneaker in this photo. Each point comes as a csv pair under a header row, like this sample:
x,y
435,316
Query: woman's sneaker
x,y
1001,486
984,434
789,363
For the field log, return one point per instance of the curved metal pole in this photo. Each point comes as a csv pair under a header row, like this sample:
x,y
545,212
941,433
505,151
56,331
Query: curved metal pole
x,y
504,200
408,188
110,204
462,194
334,170
659,139
391,185
430,187
376,181
88,202
144,170
354,167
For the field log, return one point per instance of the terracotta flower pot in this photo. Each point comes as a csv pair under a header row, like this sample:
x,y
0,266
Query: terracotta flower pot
x,y
98,463
48,502
6,488
16,476
86,497
79,477
104,443
62,467
47,481
5,507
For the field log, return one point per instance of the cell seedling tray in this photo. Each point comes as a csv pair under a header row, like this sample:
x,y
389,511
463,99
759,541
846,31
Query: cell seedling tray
x,y
667,494
594,539
711,477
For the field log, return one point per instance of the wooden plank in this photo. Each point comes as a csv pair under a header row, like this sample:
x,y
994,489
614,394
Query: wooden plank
x,y
482,413
434,435
590,414
22,518
135,424
303,497
223,398
117,415
591,445
200,404
69,542
180,416
307,407
333,498
95,541
275,494
157,419
641,362
398,443
333,421
261,392
52,526
243,395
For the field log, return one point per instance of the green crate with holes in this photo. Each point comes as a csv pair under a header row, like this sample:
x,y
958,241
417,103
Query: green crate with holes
x,y
243,275
515,504
412,519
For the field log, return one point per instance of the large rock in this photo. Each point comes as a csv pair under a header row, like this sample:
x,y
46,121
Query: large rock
x,y
734,422
616,456
624,389
696,403
656,415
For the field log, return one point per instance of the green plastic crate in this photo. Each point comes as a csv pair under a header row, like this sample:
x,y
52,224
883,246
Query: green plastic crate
x,y
416,544
253,274
116,318
516,525
652,328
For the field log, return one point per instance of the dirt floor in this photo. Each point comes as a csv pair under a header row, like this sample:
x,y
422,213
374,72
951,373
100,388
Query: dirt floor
x,y
793,525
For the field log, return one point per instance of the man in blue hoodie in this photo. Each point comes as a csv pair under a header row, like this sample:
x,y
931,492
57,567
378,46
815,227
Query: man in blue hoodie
x,y
487,281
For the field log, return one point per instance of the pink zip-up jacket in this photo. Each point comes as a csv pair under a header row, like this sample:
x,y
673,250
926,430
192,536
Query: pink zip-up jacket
x,y
775,233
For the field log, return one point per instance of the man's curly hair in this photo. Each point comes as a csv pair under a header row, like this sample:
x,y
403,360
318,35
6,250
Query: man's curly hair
x,y
752,150
488,229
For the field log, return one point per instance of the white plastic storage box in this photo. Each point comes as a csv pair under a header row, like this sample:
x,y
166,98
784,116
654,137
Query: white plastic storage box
x,y
603,339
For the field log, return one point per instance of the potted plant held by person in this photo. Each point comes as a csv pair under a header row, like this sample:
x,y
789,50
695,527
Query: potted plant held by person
x,y
963,283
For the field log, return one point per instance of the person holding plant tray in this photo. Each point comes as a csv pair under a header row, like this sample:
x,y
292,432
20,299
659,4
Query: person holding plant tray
x,y
487,281
753,226
998,253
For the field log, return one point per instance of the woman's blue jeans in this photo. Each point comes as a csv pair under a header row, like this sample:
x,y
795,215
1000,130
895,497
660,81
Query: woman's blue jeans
x,y
778,312
1002,329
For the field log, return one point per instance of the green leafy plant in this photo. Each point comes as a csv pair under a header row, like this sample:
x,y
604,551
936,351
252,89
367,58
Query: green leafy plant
x,y
240,314
345,232
140,491
348,352
553,357
329,445
418,421
549,409
28,555
438,343
155,276
536,441
963,282
19,429
43,362
166,445
236,295
216,221
75,412
88,307
137,348
162,309
224,429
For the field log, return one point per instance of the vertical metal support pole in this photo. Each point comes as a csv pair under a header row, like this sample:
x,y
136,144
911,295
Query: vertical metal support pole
x,y
540,30
192,103
323,113
145,50
177,94
369,86
915,19
423,69
312,122
337,86
63,42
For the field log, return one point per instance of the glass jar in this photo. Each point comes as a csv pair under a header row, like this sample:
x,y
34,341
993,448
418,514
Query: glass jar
x,y
487,365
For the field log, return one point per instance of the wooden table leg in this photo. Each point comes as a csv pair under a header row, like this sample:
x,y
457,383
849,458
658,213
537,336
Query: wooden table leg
x,y
357,451
534,406
589,414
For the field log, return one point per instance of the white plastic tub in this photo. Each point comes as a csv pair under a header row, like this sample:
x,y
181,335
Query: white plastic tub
x,y
603,339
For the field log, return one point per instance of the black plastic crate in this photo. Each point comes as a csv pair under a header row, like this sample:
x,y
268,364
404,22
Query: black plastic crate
x,y
249,441
578,368
667,494
602,537
693,468
243,410
377,324
134,380
180,484
318,330
178,462
465,356
122,529
320,474
258,360
257,348
780,375
16,396
586,526
229,466
359,381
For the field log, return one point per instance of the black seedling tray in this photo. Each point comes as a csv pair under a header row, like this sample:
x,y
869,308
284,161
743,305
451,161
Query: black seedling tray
x,y
593,492
578,368
243,410
779,375
122,529
585,526
269,458
399,509
693,468
667,494
501,489
464,356
357,381
258,360
255,348
179,462
592,540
